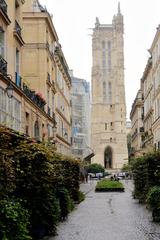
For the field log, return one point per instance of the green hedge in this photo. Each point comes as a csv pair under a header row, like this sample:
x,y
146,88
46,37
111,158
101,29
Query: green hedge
x,y
153,200
106,185
45,183
14,220
146,175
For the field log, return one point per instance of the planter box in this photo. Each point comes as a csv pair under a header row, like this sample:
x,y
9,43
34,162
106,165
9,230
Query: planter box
x,y
106,185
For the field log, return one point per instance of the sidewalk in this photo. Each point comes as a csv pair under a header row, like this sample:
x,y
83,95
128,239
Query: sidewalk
x,y
87,187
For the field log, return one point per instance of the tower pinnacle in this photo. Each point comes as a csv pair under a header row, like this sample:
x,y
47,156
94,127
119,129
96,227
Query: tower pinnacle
x,y
119,9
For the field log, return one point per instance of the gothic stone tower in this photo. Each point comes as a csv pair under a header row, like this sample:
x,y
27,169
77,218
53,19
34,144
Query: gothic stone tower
x,y
108,132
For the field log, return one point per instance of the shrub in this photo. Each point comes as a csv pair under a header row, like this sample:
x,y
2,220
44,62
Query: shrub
x,y
45,215
14,220
95,168
109,185
153,199
65,202
140,176
81,197
35,173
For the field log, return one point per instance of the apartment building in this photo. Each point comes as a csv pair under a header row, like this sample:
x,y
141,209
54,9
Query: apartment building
x,y
150,88
81,110
63,103
45,70
11,42
147,89
155,53
32,67
137,129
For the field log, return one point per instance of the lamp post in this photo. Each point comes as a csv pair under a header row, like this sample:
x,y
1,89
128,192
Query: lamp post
x,y
9,90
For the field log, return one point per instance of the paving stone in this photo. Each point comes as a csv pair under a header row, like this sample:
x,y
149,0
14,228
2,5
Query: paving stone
x,y
109,216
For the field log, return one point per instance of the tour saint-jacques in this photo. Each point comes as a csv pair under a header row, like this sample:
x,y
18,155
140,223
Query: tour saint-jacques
x,y
72,167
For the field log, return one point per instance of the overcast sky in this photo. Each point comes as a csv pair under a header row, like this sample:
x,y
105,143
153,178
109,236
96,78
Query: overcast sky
x,y
74,18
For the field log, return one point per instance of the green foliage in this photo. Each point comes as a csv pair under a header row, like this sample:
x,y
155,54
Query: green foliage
x,y
14,220
126,168
43,179
109,185
96,168
146,174
153,200
81,197
153,197
65,202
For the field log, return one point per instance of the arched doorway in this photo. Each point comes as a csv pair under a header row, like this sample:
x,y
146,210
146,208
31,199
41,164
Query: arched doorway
x,y
108,157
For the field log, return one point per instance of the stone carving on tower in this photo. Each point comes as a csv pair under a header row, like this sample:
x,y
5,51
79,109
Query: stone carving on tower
x,y
108,129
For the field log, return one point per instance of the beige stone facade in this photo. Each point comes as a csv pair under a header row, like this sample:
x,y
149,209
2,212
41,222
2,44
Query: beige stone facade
x,y
45,70
31,60
150,88
155,53
147,89
108,132
137,129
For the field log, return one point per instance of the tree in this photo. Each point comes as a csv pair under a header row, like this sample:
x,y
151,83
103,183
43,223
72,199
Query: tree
x,y
95,168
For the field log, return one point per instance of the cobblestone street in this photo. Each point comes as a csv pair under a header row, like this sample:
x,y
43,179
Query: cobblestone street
x,y
108,216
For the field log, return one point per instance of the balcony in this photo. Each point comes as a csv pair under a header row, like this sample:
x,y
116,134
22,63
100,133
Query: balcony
x,y
36,98
18,33
18,80
3,6
49,79
18,28
49,111
3,11
3,66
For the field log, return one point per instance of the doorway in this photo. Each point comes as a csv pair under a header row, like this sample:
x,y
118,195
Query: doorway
x,y
108,157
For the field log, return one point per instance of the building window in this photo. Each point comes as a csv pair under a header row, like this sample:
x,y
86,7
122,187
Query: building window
x,y
27,124
16,114
52,102
17,61
105,126
3,106
109,56
2,45
110,93
10,111
36,131
103,54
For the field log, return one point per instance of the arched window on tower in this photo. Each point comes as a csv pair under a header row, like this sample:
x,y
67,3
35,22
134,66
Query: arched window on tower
x,y
110,93
103,54
104,89
109,56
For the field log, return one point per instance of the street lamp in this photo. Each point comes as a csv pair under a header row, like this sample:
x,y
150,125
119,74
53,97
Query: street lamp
x,y
9,90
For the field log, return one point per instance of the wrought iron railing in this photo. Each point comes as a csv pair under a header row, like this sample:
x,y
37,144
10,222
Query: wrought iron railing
x,y
34,96
18,28
49,111
48,77
3,66
3,6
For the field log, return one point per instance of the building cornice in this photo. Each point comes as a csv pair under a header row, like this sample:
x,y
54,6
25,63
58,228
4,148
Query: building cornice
x,y
42,15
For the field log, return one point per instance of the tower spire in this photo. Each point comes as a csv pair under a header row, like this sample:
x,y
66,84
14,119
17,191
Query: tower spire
x,y
119,9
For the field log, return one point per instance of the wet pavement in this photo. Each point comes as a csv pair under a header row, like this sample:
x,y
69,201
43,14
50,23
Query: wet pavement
x,y
108,216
